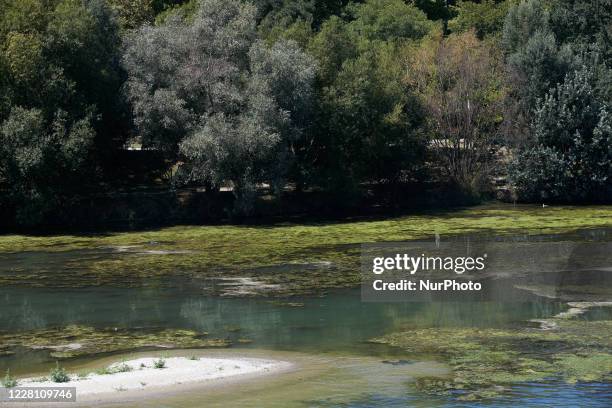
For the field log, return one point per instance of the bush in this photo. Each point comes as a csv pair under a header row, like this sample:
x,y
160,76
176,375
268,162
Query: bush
x,y
122,368
8,381
571,159
104,371
159,363
58,374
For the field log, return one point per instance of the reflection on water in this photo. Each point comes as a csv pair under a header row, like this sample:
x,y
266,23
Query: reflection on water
x,y
337,321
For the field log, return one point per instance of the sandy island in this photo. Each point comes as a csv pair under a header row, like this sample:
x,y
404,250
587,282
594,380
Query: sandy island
x,y
141,375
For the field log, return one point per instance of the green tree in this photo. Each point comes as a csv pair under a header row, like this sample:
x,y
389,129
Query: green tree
x,y
387,20
331,47
522,22
366,121
133,13
60,85
538,66
486,17
584,22
457,79
38,160
571,157
206,91
535,62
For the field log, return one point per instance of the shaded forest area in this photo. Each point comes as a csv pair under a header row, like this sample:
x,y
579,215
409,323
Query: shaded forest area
x,y
142,112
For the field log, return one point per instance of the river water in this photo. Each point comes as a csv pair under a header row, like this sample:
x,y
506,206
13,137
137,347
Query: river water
x,y
329,334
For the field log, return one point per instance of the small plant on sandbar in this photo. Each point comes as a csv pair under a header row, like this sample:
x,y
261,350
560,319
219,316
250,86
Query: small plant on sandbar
x,y
159,363
8,381
58,374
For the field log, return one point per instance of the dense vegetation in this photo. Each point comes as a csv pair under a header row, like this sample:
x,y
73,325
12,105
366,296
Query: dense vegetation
x,y
336,97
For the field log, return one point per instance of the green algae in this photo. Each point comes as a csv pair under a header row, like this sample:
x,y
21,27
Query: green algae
x,y
588,368
296,258
75,341
501,219
486,362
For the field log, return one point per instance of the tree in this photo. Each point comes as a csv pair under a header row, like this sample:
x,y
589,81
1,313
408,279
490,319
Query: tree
x,y
59,109
571,157
180,70
522,22
457,80
38,161
366,121
535,62
584,22
133,13
332,45
204,90
387,20
280,14
435,9
486,17
539,65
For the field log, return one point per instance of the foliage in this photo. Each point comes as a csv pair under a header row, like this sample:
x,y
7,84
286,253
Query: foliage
x,y
133,13
572,156
59,107
560,92
35,159
535,61
182,9
457,78
280,14
387,20
537,67
171,84
122,367
366,127
522,22
435,9
159,363
58,374
229,105
485,17
265,95
584,22
8,381
332,46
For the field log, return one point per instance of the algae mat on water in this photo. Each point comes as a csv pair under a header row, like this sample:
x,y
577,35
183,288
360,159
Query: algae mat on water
x,y
485,362
74,341
277,259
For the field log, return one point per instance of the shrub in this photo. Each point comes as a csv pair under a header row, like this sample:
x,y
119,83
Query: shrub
x,y
122,368
104,371
58,374
571,159
159,363
8,381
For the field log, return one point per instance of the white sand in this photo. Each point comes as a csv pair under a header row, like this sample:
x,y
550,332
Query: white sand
x,y
178,370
